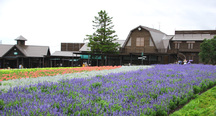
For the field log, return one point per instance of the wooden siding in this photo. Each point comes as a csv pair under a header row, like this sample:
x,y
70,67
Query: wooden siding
x,y
139,49
184,47
71,46
11,52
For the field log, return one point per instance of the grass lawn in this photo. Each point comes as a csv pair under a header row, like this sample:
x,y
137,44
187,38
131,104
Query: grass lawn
x,y
203,105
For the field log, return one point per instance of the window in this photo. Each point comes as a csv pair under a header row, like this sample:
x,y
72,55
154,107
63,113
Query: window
x,y
140,41
190,45
177,45
150,42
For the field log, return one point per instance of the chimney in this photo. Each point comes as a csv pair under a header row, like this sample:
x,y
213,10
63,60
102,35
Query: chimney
x,y
21,40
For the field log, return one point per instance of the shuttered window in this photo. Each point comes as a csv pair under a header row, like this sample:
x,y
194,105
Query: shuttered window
x,y
140,41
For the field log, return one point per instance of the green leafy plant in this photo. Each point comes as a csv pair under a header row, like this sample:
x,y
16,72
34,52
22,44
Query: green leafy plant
x,y
1,104
196,89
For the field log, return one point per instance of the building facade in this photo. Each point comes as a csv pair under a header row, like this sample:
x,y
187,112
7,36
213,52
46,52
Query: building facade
x,y
143,46
147,46
29,56
186,44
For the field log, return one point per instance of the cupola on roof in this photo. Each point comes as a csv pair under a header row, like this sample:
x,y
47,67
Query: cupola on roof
x,y
21,38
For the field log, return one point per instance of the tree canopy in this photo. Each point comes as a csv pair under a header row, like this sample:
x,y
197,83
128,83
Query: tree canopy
x,y
101,41
208,51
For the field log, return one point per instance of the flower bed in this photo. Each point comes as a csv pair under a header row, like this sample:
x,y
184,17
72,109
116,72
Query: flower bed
x,y
153,91
33,73
6,85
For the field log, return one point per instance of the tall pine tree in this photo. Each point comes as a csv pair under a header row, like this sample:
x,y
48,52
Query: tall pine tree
x,y
101,41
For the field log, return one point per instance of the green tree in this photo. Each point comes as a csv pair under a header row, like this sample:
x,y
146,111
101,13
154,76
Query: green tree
x,y
101,41
208,51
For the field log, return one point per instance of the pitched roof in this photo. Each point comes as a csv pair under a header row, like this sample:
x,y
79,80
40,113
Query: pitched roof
x,y
64,53
86,48
157,37
27,50
21,38
4,48
34,51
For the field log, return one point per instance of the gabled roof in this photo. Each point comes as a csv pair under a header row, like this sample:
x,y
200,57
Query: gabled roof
x,y
65,53
27,50
4,49
157,36
34,51
21,38
86,48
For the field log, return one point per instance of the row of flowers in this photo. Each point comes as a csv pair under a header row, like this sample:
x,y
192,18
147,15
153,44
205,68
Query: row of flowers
x,y
154,91
6,85
34,73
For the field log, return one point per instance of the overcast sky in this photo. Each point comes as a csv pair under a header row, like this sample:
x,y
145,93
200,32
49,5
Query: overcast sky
x,y
50,22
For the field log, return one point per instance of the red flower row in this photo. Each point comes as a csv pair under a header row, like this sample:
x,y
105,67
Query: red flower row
x,y
51,72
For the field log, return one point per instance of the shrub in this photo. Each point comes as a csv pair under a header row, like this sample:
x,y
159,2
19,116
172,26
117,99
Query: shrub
x,y
196,89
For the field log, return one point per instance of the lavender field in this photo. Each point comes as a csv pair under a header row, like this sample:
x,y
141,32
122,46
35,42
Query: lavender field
x,y
153,91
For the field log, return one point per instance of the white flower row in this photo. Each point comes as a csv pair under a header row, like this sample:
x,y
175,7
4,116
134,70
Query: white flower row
x,y
6,85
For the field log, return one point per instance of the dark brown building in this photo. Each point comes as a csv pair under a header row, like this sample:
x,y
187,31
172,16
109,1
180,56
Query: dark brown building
x,y
186,44
148,42
27,55
156,47
71,46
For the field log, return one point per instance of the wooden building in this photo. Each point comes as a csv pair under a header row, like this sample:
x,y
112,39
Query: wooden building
x,y
71,46
28,55
147,42
110,59
155,46
186,44
141,41
64,59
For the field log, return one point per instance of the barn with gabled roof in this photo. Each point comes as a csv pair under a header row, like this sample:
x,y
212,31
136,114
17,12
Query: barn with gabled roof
x,y
27,55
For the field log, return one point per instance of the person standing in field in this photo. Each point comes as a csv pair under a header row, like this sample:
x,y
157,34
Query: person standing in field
x,y
20,66
185,61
